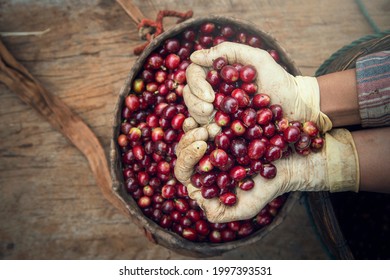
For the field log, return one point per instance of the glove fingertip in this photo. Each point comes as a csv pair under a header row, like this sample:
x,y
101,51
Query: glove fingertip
x,y
207,94
198,148
196,134
189,124
213,129
200,57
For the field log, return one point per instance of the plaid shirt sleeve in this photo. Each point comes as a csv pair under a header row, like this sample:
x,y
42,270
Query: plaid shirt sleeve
x,y
373,85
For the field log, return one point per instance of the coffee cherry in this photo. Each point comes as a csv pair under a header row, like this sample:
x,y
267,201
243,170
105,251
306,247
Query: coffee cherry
x,y
229,105
206,41
177,121
189,35
172,61
222,118
261,100
282,124
277,111
179,76
264,219
303,142
207,28
246,229
154,61
291,134
122,140
229,74
264,116
228,198
215,236
277,202
278,140
143,179
238,127
196,180
226,88
310,128
228,165
218,100
303,152
237,173
272,153
202,227
193,215
218,157
268,171
274,55
181,191
172,45
253,132
297,124
132,102
248,73
241,96
248,117
227,31
238,147
168,191
223,180
256,149
213,78
205,164
144,201
222,141
163,167
249,88
138,152
228,235
165,221
219,63
209,192
317,143
208,179
246,184
181,205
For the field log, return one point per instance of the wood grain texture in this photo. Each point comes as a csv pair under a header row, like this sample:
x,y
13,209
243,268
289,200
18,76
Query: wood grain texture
x,y
50,206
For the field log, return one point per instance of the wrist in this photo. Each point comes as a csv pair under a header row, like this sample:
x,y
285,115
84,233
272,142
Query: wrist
x,y
338,97
343,173
303,173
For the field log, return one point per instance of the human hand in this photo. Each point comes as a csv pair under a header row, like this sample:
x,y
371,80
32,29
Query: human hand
x,y
299,96
335,168
198,95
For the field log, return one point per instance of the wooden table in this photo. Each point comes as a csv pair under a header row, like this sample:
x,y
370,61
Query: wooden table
x,y
50,207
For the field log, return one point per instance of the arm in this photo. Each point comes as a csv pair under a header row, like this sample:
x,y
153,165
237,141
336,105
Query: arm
x,y
358,96
373,151
339,98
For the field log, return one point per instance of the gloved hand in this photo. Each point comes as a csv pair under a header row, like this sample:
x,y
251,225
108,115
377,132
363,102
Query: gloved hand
x,y
335,168
299,96
200,105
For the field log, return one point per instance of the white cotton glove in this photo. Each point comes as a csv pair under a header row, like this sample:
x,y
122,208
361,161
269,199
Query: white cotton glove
x,y
198,101
335,168
191,148
299,96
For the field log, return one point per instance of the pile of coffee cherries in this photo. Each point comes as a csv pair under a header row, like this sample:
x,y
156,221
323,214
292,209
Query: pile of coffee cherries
x,y
255,134
152,118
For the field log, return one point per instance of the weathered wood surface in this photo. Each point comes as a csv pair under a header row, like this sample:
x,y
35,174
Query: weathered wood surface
x,y
50,206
